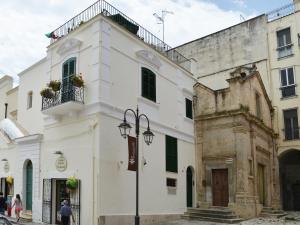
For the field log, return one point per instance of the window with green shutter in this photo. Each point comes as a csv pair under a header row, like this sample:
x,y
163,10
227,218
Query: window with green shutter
x,y
188,108
148,84
171,154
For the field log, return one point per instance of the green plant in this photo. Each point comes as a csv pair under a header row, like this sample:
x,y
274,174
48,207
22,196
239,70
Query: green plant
x,y
77,80
47,92
55,85
72,183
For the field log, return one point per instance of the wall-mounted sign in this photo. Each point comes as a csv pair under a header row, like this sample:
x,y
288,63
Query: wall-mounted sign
x,y
61,164
6,167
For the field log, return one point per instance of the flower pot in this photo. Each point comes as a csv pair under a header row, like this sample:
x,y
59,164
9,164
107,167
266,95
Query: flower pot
x,y
47,93
54,85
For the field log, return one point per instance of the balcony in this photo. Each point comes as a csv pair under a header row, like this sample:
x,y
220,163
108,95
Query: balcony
x,y
69,99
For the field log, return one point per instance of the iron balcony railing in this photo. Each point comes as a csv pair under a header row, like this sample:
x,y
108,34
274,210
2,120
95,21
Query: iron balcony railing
x,y
67,93
281,12
109,11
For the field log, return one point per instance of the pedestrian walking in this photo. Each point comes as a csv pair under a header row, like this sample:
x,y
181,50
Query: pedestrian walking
x,y
18,206
2,204
65,213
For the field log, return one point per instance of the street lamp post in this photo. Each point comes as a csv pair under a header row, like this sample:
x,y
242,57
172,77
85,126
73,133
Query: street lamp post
x,y
148,137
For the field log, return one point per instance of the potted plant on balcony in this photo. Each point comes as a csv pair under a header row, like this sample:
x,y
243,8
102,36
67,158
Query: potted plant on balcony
x,y
54,85
72,183
47,92
77,80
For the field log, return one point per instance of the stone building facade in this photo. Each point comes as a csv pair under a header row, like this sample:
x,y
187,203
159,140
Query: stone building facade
x,y
236,152
271,41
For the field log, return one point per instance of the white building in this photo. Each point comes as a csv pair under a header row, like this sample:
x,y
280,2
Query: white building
x,y
75,132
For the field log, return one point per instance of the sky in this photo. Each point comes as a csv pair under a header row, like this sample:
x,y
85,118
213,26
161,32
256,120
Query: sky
x,y
23,23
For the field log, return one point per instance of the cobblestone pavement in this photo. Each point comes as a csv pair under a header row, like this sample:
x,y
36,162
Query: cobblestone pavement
x,y
293,218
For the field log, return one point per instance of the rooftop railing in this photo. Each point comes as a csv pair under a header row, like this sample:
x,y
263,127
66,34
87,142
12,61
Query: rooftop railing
x,y
281,12
109,11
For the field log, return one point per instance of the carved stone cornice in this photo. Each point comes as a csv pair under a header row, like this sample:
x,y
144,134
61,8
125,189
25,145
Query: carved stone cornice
x,y
69,44
149,57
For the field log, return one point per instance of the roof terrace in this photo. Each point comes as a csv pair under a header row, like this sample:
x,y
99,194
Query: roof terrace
x,y
109,11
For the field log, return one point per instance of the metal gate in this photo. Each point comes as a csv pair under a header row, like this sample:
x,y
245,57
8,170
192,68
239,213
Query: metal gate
x,y
75,204
47,201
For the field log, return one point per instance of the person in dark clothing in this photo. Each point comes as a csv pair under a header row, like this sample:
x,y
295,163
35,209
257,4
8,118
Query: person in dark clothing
x,y
65,213
2,204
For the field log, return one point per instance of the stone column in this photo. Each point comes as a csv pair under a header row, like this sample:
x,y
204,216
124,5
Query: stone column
x,y
243,205
200,190
276,203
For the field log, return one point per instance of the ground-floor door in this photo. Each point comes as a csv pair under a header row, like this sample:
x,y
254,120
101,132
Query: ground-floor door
x,y
54,193
220,187
261,184
4,187
296,194
61,195
29,186
189,187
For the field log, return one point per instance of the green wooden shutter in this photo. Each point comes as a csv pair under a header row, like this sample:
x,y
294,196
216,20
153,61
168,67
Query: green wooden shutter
x,y
171,154
148,84
145,83
188,108
152,87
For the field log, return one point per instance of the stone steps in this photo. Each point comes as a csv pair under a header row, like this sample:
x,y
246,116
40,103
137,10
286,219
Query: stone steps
x,y
213,214
26,216
269,212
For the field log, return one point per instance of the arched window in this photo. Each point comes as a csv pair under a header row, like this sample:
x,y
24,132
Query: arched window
x,y
148,84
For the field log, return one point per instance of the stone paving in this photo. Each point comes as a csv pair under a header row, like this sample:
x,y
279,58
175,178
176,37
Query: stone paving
x,y
293,218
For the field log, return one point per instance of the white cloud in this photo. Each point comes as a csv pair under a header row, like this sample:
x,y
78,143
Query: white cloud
x,y
24,23
241,3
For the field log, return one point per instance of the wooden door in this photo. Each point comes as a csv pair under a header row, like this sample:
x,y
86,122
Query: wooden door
x,y
189,187
29,186
261,183
220,187
296,195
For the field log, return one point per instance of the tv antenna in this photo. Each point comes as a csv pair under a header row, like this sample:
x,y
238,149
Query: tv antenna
x,y
161,19
242,18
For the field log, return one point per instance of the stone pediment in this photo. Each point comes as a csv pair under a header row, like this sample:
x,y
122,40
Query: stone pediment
x,y
68,45
149,57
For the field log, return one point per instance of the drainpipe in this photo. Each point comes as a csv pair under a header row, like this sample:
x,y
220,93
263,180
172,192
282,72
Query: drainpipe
x,y
6,110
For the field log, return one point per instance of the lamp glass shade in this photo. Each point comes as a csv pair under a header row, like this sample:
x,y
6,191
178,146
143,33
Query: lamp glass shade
x,y
124,129
148,136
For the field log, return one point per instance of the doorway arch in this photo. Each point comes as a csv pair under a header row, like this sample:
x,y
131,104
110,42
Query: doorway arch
x,y
289,167
189,186
28,169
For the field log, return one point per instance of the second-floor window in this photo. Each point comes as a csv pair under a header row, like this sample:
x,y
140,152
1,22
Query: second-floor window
x,y
291,128
148,84
69,69
284,43
29,99
171,154
288,86
188,108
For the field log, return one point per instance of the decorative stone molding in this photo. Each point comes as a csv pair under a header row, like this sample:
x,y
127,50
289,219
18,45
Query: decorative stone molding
x,y
68,45
149,57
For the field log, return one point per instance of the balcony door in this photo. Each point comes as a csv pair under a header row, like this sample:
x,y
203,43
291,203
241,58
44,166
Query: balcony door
x,y
69,70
